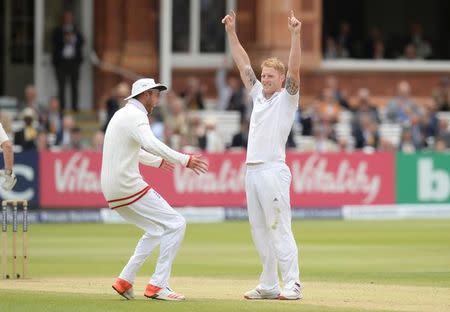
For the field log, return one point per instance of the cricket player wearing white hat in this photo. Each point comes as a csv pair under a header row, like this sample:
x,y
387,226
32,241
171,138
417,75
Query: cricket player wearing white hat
x,y
9,178
129,141
268,178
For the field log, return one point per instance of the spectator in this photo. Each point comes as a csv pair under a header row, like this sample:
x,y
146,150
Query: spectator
x,y
42,143
345,40
193,94
307,117
76,140
365,132
379,51
157,127
329,108
321,142
407,144
232,94
409,52
339,95
116,101
441,95
363,105
429,120
416,128
175,118
386,145
240,139
374,45
400,107
67,57
290,142
195,136
211,141
53,120
97,141
30,101
64,137
421,45
26,137
443,132
331,49
441,145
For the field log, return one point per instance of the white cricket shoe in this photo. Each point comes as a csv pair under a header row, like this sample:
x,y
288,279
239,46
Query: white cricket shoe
x,y
155,292
292,293
258,293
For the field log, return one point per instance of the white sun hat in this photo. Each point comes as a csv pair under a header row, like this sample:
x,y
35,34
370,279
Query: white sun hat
x,y
143,85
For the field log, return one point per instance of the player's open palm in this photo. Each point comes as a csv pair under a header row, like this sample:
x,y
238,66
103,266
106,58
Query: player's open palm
x,y
230,22
294,24
198,164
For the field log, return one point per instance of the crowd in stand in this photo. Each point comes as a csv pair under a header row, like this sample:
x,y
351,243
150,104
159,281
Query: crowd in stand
x,y
332,121
377,45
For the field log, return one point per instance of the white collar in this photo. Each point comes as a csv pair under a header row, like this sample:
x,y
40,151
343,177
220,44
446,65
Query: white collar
x,y
138,105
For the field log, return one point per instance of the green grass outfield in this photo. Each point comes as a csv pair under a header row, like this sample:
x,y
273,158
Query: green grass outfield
x,y
345,266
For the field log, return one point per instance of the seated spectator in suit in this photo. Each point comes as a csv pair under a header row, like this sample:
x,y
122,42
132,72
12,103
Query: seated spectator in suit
x,y
366,133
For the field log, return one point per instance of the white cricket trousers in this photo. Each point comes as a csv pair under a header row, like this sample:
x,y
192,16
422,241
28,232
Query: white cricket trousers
x,y
162,225
269,210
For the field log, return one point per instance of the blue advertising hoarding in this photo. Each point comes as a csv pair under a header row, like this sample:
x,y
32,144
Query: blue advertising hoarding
x,y
26,168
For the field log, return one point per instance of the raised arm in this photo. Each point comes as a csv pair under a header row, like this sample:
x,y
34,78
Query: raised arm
x,y
293,73
240,57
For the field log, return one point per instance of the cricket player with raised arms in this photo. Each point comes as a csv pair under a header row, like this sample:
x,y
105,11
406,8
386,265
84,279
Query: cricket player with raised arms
x,y
130,141
268,178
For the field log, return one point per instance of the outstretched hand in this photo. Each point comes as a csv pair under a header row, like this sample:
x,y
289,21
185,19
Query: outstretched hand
x,y
166,166
294,24
230,22
198,164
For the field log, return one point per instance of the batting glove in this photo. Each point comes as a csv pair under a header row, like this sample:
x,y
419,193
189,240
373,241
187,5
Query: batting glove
x,y
9,180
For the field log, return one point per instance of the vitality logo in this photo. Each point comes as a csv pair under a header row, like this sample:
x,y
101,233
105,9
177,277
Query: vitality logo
x,y
433,183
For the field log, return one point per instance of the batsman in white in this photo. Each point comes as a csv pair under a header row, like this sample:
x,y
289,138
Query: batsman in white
x,y
268,177
129,141
8,157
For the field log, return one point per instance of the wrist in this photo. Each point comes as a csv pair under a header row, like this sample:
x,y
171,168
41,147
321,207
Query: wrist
x,y
189,161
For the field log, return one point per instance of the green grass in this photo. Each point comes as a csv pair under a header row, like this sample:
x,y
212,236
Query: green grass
x,y
410,253
13,301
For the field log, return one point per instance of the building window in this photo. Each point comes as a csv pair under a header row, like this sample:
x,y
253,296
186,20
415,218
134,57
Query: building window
x,y
22,32
212,33
198,38
180,25
386,29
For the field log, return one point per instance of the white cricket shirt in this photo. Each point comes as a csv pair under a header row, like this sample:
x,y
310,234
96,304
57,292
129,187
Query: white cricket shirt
x,y
129,140
3,135
270,124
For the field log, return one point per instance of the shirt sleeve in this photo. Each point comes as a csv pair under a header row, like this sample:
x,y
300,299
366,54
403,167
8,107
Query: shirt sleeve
x,y
144,135
149,159
3,135
292,99
255,91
